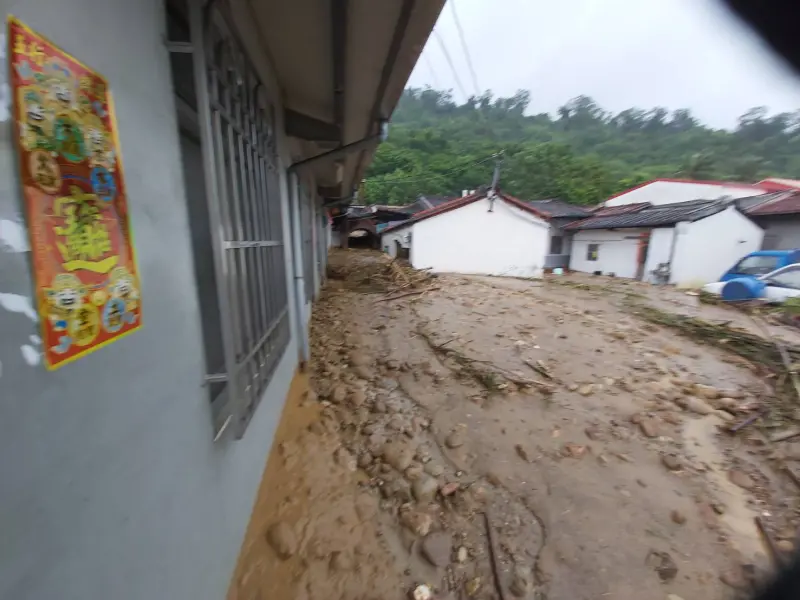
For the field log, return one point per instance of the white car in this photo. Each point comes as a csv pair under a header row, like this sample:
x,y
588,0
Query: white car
x,y
782,284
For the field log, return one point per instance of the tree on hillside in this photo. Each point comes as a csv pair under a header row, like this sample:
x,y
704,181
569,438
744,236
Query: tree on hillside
x,y
583,153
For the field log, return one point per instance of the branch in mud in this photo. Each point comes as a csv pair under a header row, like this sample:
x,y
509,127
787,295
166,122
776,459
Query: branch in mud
x,y
774,358
486,377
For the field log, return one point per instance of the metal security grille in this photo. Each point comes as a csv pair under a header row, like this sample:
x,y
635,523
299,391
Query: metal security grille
x,y
306,225
240,153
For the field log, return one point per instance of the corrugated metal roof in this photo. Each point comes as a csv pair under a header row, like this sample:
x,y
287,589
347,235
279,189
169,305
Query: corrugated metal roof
x,y
556,208
787,203
653,216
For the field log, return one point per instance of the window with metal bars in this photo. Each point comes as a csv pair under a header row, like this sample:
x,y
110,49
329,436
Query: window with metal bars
x,y
244,220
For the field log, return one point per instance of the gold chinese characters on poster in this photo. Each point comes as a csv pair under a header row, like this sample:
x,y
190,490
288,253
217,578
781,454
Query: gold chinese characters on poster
x,y
87,283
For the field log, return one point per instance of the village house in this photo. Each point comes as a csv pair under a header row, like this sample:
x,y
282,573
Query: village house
x,y
691,242
778,214
486,233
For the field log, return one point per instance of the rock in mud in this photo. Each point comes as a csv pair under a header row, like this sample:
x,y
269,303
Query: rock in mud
x,y
425,488
448,489
434,469
398,455
283,540
671,418
586,390
364,372
311,396
650,427
344,459
697,405
708,392
472,587
414,471
573,450
436,548
522,583
380,406
366,506
388,384
672,462
663,564
359,359
673,597
358,397
572,387
397,489
417,521
457,437
365,459
595,433
735,579
338,394
677,517
742,479
341,561
462,555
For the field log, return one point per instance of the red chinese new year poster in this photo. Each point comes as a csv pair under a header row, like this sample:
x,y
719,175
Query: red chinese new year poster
x,y
73,189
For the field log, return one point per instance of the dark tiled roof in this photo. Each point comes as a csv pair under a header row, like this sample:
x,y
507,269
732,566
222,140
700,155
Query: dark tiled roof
x,y
555,208
787,203
652,216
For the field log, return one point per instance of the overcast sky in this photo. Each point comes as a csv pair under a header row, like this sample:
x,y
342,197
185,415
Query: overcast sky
x,y
623,53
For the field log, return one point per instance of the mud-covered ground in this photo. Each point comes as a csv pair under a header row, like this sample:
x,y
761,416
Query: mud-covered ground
x,y
536,426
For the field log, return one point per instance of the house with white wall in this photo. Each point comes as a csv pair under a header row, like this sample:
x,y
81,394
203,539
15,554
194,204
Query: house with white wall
x,y
487,234
670,191
699,240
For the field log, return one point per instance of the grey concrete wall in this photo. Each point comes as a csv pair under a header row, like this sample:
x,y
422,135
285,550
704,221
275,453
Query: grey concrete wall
x,y
111,485
781,232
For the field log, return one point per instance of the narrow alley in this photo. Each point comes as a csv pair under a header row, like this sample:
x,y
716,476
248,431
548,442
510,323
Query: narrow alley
x,y
492,438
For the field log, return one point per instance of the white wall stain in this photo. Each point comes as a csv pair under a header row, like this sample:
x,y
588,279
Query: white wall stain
x,y
32,356
19,304
13,237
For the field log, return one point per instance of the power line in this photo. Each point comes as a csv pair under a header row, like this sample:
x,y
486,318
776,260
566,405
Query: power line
x,y
431,69
465,48
450,62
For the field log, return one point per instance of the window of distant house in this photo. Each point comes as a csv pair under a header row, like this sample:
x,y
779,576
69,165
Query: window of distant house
x,y
592,251
556,244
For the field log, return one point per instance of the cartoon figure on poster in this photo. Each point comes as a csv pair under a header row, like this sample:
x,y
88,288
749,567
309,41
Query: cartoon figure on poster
x,y
36,127
123,299
98,142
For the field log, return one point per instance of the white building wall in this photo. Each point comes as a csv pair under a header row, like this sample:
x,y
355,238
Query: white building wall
x,y
668,192
658,251
400,236
617,252
707,248
470,239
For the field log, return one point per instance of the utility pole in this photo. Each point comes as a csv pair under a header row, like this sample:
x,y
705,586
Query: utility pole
x,y
498,161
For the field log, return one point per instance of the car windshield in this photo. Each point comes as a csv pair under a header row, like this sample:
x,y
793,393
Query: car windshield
x,y
785,278
755,265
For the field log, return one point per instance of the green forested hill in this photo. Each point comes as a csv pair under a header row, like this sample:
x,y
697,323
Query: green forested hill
x,y
583,155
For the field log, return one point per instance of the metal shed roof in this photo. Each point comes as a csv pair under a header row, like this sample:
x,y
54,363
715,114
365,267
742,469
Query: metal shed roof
x,y
653,216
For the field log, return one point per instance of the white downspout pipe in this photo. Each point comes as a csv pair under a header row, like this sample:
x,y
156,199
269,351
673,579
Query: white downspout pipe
x,y
299,282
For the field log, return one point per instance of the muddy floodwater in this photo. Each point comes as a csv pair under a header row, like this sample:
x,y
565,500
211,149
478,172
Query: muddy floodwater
x,y
497,438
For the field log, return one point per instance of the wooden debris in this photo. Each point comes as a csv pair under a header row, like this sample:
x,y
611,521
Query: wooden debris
x,y
493,557
785,435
